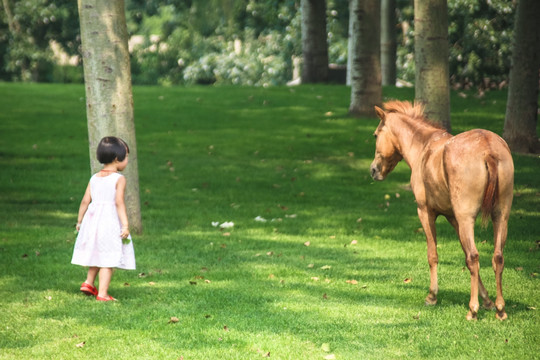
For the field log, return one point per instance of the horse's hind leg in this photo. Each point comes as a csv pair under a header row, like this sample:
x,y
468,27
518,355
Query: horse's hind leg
x,y
487,303
500,226
466,237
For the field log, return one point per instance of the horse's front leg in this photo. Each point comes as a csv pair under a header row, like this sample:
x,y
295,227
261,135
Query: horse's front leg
x,y
427,218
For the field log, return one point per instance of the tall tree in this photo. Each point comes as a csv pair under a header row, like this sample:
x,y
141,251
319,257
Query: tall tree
x,y
432,79
388,42
366,89
107,78
522,106
314,44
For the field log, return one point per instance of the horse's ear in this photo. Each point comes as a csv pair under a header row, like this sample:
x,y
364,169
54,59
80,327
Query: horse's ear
x,y
380,113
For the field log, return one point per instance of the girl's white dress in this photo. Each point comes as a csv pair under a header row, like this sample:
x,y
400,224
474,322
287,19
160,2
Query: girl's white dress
x,y
98,242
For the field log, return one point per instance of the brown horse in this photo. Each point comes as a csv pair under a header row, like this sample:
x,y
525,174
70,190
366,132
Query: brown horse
x,y
454,176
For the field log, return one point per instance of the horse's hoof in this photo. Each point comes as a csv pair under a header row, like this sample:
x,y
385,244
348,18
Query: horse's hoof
x,y
431,300
501,315
471,316
488,305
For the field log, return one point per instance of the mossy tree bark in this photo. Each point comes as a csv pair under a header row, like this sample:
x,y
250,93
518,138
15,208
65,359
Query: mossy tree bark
x,y
431,49
522,107
314,43
388,42
366,88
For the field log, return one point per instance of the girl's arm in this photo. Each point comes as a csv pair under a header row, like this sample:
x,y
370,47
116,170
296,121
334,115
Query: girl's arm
x,y
86,200
121,206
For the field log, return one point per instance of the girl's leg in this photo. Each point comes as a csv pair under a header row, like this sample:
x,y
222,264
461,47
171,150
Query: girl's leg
x,y
91,276
105,276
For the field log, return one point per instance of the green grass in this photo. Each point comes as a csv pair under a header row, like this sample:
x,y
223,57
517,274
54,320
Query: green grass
x,y
230,154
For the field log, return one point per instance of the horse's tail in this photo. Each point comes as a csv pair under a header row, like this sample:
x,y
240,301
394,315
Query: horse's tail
x,y
490,194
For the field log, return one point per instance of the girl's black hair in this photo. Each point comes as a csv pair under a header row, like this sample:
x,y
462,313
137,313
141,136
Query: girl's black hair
x,y
111,148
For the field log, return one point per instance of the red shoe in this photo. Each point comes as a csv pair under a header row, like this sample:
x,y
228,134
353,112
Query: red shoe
x,y
109,298
89,289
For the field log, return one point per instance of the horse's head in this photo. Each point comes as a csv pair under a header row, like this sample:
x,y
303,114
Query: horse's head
x,y
387,154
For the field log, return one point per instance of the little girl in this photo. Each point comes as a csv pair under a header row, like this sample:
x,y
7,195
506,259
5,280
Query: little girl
x,y
103,242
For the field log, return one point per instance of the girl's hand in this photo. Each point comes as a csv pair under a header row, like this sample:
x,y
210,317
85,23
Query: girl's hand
x,y
78,227
125,233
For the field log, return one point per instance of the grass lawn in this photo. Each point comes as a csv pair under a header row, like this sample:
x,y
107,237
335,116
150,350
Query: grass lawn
x,y
338,271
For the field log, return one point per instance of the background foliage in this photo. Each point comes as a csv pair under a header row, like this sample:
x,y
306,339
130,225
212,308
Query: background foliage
x,y
247,42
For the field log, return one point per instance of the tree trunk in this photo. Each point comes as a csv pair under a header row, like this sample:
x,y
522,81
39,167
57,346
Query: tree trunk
x,y
314,44
432,80
350,45
366,90
522,107
388,42
107,78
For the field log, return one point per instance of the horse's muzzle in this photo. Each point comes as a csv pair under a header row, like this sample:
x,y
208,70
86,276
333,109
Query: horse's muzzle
x,y
375,173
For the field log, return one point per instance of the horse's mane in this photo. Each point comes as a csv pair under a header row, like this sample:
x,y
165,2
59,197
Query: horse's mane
x,y
414,111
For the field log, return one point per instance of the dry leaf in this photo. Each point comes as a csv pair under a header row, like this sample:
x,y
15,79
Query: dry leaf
x,y
354,242
126,284
151,283
311,266
314,278
352,282
330,357
81,345
531,308
326,267
267,354
324,296
307,243
173,320
207,281
270,253
407,280
225,328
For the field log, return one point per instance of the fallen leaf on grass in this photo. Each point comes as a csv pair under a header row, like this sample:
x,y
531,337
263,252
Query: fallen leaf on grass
x,y
173,320
354,242
314,278
324,296
330,357
81,345
326,267
352,282
311,266
266,354
531,308
307,243
151,283
407,280
225,328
